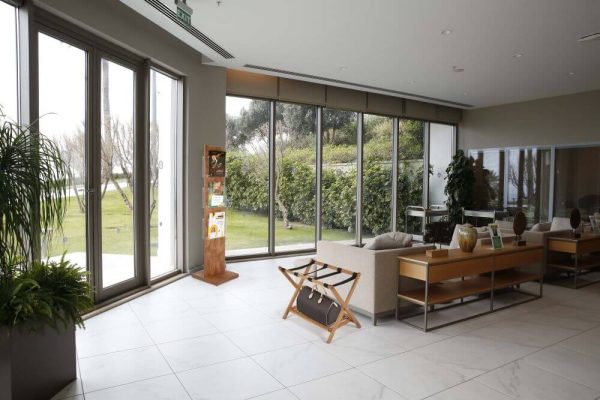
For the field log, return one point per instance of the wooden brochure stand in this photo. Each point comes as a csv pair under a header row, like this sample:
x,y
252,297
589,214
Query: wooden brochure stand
x,y
214,218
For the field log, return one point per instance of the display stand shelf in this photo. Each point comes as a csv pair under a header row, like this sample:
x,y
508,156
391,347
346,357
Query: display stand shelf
x,y
214,271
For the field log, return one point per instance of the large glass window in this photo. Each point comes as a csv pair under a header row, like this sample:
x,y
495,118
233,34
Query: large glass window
x,y
377,175
163,175
8,65
488,166
529,183
441,150
410,173
247,182
577,182
295,176
117,169
62,70
339,175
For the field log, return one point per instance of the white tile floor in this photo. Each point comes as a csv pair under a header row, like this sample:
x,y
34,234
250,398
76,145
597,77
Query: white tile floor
x,y
190,340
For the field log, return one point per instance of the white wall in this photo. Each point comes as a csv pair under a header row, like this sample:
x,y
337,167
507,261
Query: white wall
x,y
556,120
205,90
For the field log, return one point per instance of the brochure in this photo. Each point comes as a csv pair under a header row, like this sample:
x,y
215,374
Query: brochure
x,y
216,225
216,196
495,235
216,163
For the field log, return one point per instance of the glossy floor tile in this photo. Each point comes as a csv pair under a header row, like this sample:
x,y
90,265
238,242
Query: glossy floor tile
x,y
189,340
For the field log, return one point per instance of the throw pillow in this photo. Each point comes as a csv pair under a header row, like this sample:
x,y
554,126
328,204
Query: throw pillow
x,y
390,240
541,227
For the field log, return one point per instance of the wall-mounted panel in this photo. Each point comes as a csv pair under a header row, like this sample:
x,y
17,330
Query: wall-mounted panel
x,y
385,105
346,99
244,83
419,110
448,114
301,92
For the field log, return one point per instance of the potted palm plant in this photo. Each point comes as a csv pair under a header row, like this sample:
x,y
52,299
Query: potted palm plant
x,y
40,301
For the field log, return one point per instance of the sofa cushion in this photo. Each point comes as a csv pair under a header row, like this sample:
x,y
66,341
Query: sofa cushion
x,y
505,226
390,240
541,227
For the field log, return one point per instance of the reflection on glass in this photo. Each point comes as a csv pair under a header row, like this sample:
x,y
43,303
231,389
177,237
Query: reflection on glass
x,y
377,175
295,166
117,166
247,180
339,175
488,166
441,149
163,137
8,66
410,173
528,183
577,182
62,71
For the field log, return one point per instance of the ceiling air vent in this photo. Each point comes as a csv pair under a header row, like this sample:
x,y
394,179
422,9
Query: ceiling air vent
x,y
394,92
587,38
167,12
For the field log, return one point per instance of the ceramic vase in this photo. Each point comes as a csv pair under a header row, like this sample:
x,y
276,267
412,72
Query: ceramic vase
x,y
467,238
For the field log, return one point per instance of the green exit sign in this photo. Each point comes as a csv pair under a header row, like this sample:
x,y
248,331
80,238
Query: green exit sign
x,y
184,12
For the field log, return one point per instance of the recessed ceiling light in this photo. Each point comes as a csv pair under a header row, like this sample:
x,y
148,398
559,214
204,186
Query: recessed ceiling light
x,y
587,38
343,68
571,73
446,32
457,69
518,55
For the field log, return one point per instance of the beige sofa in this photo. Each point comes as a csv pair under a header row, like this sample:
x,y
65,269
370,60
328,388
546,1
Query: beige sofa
x,y
376,293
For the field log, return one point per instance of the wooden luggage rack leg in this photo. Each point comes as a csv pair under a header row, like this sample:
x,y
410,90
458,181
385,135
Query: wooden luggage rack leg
x,y
345,316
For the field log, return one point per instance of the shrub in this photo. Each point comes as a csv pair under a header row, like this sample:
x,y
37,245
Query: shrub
x,y
247,189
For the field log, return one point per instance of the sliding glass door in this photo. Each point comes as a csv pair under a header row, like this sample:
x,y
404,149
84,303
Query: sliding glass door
x,y
87,104
117,163
164,95
63,118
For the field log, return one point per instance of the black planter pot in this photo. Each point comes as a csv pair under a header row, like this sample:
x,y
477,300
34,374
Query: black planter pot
x,y
36,366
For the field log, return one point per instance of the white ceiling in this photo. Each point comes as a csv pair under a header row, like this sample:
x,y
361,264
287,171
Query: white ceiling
x,y
398,45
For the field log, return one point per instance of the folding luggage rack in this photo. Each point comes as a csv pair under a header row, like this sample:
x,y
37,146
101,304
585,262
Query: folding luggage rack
x,y
310,274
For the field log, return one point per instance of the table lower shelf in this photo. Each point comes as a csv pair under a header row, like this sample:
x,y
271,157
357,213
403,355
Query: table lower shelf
x,y
584,263
471,286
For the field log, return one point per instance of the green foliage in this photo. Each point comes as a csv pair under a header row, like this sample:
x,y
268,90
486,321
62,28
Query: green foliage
x,y
459,186
247,185
52,293
33,202
33,191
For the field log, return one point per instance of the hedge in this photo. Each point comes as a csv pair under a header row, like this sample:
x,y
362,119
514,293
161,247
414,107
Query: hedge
x,y
247,189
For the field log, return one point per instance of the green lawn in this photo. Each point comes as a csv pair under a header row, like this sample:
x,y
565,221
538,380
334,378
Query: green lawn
x,y
244,230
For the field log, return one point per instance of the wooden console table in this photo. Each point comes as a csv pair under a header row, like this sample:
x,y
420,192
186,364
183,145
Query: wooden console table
x,y
581,261
462,275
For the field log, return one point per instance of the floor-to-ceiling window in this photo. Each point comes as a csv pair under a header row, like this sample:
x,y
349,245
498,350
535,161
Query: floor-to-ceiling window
x,y
111,139
338,210
441,149
247,182
117,172
529,182
164,111
577,181
488,166
8,65
411,134
295,176
377,175
62,105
